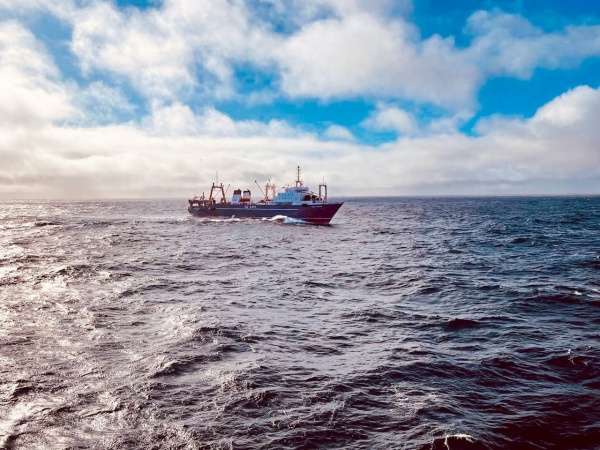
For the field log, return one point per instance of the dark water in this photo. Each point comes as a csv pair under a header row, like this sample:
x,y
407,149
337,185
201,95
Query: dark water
x,y
408,324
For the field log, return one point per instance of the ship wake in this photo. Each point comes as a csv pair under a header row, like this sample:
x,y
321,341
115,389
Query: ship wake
x,y
287,220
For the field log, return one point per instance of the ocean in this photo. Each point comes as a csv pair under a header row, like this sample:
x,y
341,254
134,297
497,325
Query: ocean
x,y
408,323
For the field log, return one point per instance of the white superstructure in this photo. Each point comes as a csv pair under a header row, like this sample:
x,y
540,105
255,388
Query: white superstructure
x,y
300,194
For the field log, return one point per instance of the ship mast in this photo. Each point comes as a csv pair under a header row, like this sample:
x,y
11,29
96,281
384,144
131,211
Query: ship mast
x,y
214,189
323,187
269,188
298,180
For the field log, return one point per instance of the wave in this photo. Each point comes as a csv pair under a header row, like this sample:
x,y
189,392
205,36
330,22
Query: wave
x,y
520,240
591,263
181,365
561,299
286,220
461,324
460,441
44,223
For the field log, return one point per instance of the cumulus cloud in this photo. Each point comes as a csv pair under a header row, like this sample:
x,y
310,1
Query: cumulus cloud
x,y
363,54
508,44
60,8
99,103
548,153
391,118
178,119
337,132
30,89
166,52
576,107
305,11
555,151
339,49
560,140
134,45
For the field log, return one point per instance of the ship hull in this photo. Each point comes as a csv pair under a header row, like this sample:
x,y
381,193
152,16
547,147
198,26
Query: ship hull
x,y
320,214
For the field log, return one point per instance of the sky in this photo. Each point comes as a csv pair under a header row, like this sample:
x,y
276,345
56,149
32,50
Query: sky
x,y
147,99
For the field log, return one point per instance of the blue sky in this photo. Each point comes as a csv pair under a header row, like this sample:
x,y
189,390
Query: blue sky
x,y
382,97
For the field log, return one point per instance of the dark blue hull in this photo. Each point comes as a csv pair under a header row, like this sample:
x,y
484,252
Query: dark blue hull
x,y
317,214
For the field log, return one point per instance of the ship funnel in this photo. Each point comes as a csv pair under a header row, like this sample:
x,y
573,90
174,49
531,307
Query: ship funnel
x,y
247,196
237,196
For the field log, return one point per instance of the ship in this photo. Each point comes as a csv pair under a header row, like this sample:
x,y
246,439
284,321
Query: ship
x,y
296,202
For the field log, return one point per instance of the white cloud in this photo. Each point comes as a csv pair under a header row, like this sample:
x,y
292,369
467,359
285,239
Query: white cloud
x,y
178,119
359,48
164,52
577,107
99,103
174,120
448,124
60,8
560,140
126,161
136,45
507,44
309,10
363,54
391,118
388,117
342,49
30,92
338,132
551,152
181,47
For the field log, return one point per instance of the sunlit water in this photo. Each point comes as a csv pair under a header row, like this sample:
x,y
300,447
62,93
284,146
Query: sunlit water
x,y
414,323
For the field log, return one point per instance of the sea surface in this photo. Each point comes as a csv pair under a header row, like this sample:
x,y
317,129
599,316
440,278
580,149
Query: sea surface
x,y
409,323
